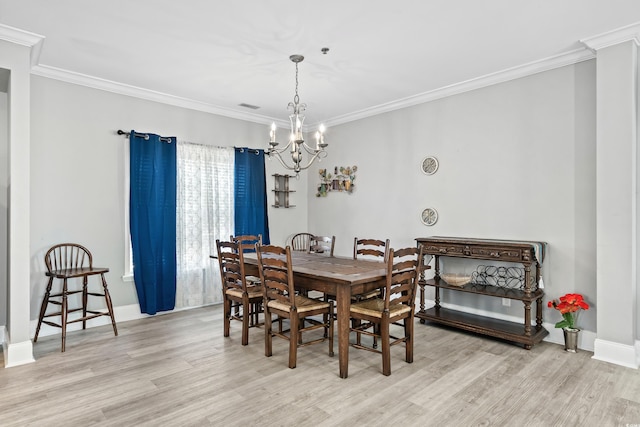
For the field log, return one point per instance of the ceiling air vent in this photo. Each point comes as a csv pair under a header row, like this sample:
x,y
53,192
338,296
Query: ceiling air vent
x,y
253,107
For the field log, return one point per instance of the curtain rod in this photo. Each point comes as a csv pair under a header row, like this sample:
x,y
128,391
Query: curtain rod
x,y
167,139
144,135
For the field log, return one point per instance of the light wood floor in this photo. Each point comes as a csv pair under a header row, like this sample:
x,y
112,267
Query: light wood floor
x,y
178,369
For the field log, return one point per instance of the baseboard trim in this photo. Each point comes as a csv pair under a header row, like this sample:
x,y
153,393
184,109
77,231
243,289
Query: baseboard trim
x,y
16,354
618,354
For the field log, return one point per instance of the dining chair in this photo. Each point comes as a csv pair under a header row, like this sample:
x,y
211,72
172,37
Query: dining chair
x,y
242,300
247,243
396,307
372,249
67,262
301,241
281,300
322,245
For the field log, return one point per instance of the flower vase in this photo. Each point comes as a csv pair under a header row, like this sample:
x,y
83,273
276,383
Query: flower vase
x,y
570,339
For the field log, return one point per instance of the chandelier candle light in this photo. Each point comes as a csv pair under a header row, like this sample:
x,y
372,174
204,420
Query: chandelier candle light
x,y
296,141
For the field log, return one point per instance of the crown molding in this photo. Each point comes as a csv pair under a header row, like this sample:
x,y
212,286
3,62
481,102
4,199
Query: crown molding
x,y
15,35
149,95
525,70
610,38
23,38
557,61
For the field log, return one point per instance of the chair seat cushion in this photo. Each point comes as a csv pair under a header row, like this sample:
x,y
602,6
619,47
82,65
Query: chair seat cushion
x,y
303,304
252,292
375,306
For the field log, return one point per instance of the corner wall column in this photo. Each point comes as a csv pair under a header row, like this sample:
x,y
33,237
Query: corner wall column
x,y
616,195
16,53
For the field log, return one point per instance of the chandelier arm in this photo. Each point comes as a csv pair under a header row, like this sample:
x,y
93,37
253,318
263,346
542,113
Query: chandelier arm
x,y
313,158
296,167
282,150
282,162
309,149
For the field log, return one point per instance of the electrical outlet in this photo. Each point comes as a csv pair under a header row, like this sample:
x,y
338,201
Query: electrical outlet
x,y
506,302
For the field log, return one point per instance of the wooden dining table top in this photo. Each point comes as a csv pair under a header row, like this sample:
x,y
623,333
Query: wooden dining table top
x,y
338,269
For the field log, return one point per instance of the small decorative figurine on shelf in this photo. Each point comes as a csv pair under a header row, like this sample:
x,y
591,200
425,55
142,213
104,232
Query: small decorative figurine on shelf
x,y
341,180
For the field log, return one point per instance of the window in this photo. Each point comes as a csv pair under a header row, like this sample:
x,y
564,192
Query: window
x,y
204,213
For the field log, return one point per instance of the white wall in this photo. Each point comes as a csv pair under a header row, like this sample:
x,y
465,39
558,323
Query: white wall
x,y
77,172
517,161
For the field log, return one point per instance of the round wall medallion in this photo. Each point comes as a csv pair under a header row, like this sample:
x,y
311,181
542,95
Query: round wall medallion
x,y
429,165
429,216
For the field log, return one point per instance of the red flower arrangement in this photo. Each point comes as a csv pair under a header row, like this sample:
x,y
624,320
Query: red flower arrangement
x,y
569,306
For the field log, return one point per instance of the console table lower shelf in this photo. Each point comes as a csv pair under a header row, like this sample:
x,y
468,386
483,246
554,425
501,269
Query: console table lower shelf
x,y
503,329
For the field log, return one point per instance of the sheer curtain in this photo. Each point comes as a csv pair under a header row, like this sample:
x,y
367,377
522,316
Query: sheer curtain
x,y
205,212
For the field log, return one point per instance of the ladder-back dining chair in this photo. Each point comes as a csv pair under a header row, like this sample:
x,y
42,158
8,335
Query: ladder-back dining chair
x,y
247,242
281,300
242,300
372,249
375,316
69,262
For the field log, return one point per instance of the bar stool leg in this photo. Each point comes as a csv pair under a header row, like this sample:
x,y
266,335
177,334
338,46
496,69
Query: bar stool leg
x,y
63,314
84,302
107,298
43,308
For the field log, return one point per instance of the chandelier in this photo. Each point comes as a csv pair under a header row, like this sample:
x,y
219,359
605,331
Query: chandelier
x,y
296,143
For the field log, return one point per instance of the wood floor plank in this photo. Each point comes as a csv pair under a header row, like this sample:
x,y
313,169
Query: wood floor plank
x,y
178,370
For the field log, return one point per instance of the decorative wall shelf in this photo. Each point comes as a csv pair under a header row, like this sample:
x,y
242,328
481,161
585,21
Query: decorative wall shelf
x,y
342,180
281,190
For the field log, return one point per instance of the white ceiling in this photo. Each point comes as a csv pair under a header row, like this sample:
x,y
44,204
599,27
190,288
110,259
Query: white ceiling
x,y
214,55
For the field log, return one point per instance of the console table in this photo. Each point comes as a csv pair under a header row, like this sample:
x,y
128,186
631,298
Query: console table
x,y
526,254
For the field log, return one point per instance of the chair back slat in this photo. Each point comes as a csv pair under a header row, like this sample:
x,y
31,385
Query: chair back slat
x,y
67,256
403,266
370,248
276,274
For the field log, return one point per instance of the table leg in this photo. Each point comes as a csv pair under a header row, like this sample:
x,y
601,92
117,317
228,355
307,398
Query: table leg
x,y
343,306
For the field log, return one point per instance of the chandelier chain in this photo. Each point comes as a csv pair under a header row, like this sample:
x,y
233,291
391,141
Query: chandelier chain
x,y
296,98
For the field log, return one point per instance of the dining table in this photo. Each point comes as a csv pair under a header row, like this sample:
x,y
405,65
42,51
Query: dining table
x,y
340,277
